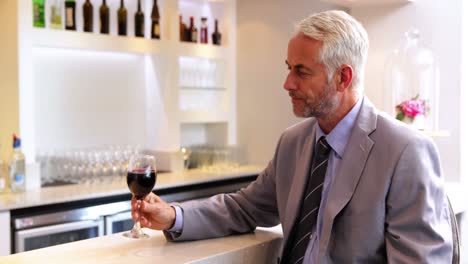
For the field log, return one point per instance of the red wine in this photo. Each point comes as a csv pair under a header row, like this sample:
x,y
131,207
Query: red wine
x,y
140,182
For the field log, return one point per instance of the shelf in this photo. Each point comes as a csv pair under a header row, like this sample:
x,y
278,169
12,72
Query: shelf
x,y
356,3
206,51
203,88
51,38
203,116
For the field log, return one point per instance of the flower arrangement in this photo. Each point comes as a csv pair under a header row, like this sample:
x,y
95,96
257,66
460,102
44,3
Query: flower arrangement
x,y
408,110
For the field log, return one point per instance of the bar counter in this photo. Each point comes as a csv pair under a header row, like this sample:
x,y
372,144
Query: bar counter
x,y
117,186
261,246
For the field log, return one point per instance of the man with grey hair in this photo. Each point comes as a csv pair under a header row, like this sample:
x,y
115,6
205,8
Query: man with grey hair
x,y
348,184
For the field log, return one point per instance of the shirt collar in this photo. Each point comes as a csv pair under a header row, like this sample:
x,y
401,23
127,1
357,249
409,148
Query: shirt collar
x,y
338,138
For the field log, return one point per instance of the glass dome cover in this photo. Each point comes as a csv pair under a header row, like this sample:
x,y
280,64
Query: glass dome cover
x,y
413,78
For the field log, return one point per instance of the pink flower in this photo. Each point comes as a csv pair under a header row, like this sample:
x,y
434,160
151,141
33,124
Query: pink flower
x,y
413,107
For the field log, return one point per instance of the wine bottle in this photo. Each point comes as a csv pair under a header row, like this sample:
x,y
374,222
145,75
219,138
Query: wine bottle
x,y
193,31
88,16
38,13
56,15
70,20
216,35
155,27
203,31
122,19
139,22
182,29
104,18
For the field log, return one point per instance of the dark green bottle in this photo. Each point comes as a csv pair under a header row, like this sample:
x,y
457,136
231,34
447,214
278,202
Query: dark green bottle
x,y
139,22
88,16
70,20
155,27
122,19
104,18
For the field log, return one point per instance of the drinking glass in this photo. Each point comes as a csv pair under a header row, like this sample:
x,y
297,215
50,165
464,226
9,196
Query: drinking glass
x,y
141,177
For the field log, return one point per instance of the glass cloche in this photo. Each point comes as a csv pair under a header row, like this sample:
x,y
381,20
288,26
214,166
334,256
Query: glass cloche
x,y
413,79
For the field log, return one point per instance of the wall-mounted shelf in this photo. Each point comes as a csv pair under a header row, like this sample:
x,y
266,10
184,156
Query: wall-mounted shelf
x,y
203,116
50,38
206,51
356,3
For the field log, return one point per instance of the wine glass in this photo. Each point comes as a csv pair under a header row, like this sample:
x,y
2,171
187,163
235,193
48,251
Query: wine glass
x,y
141,177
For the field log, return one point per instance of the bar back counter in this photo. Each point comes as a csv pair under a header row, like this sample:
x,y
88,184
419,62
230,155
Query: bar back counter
x,y
57,215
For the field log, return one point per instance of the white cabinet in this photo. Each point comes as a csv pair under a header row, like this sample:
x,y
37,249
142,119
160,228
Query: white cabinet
x,y
5,230
81,90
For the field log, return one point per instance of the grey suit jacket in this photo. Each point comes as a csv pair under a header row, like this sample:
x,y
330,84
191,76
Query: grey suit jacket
x,y
386,204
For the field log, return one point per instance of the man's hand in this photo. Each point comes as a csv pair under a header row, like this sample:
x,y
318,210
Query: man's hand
x,y
154,212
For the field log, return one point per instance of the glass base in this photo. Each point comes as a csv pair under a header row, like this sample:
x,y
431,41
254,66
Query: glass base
x,y
136,232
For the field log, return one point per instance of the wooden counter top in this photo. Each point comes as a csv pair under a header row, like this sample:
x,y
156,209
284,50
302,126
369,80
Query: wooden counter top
x,y
117,186
262,246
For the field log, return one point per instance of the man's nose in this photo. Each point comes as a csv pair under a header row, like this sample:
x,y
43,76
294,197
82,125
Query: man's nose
x,y
289,83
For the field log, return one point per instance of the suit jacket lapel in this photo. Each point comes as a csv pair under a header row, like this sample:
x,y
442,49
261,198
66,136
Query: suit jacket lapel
x,y
299,181
347,178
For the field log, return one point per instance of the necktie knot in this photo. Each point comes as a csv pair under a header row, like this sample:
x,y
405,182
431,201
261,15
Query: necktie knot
x,y
323,148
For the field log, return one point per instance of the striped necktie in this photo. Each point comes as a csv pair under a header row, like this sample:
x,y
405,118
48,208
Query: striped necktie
x,y
307,220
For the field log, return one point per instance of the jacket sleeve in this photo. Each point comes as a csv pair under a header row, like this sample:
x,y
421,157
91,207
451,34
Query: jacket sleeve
x,y
418,221
239,212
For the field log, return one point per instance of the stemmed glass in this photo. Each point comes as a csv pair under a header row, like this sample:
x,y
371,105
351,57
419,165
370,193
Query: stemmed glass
x,y
141,177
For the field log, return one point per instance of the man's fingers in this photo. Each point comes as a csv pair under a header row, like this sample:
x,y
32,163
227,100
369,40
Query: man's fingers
x,y
146,207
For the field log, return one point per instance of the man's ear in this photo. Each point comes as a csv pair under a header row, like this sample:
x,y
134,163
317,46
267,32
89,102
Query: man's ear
x,y
346,75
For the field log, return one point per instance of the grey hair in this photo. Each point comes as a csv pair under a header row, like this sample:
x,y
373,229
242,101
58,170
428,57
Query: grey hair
x,y
345,41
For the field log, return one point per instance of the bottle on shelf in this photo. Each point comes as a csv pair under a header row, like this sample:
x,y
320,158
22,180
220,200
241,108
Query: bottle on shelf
x,y
204,31
3,176
122,19
38,13
155,26
88,16
193,31
70,20
216,35
139,22
17,167
104,18
56,15
182,29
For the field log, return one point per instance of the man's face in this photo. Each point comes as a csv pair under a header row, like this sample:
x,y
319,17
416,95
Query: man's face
x,y
307,81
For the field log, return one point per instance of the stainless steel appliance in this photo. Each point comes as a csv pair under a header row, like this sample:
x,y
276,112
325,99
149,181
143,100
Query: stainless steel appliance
x,y
44,230
33,232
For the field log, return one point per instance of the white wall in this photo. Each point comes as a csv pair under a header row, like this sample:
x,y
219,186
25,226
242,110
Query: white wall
x,y
439,23
264,108
264,28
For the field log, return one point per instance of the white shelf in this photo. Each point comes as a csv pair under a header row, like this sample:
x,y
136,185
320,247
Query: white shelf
x,y
203,116
50,38
356,3
206,51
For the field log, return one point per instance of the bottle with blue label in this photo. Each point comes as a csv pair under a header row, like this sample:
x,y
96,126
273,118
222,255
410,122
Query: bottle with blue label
x,y
17,167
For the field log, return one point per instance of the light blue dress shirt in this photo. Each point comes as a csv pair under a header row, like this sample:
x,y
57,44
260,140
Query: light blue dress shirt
x,y
338,140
